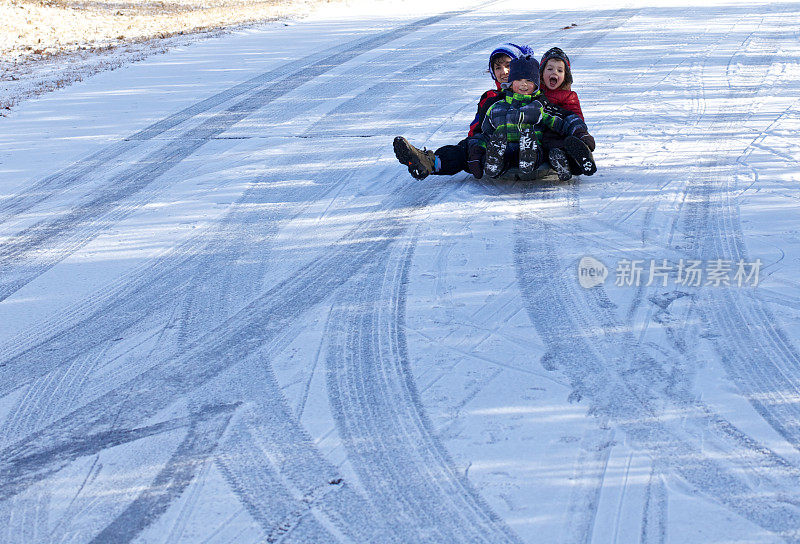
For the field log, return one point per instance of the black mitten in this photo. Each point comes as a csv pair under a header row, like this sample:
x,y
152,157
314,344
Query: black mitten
x,y
530,114
586,138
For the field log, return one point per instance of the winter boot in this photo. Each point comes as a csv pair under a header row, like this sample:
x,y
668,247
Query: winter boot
x,y
578,151
528,154
420,162
558,162
495,154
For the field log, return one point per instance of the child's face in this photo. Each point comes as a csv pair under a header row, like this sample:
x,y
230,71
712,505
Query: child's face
x,y
500,67
553,74
523,86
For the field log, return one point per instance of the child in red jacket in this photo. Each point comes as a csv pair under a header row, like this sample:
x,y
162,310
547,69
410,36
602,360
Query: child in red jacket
x,y
556,83
556,76
452,159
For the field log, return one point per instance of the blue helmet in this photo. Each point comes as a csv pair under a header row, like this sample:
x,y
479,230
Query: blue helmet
x,y
512,50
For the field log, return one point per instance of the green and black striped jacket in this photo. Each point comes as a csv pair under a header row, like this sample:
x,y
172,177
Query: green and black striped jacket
x,y
504,115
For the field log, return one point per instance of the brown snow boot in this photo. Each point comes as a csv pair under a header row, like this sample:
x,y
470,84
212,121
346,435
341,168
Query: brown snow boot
x,y
420,163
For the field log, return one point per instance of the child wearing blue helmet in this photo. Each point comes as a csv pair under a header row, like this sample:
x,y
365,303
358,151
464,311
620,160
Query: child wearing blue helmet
x,y
452,159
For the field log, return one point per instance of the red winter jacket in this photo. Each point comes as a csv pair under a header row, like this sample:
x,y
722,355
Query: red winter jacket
x,y
565,99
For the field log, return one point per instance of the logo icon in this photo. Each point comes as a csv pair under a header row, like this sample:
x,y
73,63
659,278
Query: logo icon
x,y
591,272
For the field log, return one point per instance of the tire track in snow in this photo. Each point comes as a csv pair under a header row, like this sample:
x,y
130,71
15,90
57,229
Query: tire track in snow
x,y
312,471
587,483
654,515
25,520
266,498
756,353
91,505
39,247
201,440
53,394
753,456
135,302
271,465
367,457
285,483
751,453
381,420
161,282
268,83
265,322
27,464
258,443
623,383
557,329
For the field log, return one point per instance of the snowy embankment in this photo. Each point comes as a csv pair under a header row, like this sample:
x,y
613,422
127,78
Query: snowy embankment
x,y
227,314
49,44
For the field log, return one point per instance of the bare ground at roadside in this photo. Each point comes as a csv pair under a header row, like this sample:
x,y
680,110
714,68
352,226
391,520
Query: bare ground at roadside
x,y
47,44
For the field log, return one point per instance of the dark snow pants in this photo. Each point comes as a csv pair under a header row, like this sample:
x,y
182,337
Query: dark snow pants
x,y
453,158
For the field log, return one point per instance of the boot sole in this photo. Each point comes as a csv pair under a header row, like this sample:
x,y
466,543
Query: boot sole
x,y
580,154
496,148
402,150
528,156
560,164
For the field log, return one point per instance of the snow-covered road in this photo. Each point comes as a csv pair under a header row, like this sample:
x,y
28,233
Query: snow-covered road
x,y
227,314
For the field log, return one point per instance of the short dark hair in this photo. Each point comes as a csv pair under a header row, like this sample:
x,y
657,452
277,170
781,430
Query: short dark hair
x,y
498,57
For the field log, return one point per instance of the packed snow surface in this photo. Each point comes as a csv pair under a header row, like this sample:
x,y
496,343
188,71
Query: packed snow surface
x,y
227,314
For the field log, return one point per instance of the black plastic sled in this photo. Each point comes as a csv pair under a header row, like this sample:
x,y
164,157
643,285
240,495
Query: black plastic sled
x,y
543,171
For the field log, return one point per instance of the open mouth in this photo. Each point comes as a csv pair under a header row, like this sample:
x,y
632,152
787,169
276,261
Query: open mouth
x,y
553,81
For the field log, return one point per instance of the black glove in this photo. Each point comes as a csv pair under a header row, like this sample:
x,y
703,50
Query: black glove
x,y
475,154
